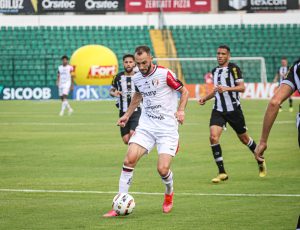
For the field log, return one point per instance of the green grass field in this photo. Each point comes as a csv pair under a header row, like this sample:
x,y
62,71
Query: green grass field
x,y
41,151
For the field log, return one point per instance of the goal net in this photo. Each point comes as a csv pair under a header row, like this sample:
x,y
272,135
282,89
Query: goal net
x,y
193,70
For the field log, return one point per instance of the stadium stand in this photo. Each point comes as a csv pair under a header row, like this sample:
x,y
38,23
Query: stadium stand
x,y
269,41
30,55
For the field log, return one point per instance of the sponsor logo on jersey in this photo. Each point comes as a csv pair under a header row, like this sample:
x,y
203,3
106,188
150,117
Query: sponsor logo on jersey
x,y
148,94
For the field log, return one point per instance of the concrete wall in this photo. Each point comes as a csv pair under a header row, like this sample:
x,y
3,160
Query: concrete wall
x,y
150,19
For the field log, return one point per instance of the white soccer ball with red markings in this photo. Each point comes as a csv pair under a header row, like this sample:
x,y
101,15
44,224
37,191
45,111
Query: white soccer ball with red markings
x,y
123,204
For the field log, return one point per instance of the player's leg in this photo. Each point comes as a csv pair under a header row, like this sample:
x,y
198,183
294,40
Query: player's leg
x,y
134,153
236,120
63,104
66,93
125,133
217,122
291,104
142,142
167,147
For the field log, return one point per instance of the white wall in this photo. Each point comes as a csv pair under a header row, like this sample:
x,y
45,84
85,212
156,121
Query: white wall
x,y
150,19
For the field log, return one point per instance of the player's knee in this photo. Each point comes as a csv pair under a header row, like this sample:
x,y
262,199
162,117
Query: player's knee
x,y
214,139
130,161
163,170
275,102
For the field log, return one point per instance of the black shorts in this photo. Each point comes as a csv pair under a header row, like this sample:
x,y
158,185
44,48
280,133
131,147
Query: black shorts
x,y
235,119
132,123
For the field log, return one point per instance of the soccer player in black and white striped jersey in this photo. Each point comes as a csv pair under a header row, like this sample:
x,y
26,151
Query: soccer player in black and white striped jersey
x,y
280,76
123,88
228,83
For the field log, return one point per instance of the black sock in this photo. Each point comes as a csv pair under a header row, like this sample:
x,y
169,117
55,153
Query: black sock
x,y
291,102
217,153
252,145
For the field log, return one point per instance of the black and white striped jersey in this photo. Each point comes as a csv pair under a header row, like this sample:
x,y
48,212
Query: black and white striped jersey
x,y
227,76
293,76
125,85
282,71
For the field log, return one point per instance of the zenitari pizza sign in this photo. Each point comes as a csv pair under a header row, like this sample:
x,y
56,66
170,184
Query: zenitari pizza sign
x,y
139,6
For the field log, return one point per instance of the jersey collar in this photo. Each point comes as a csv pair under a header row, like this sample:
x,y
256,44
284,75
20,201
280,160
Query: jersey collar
x,y
154,69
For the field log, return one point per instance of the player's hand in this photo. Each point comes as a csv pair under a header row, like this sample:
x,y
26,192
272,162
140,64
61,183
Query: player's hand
x,y
202,101
259,151
180,116
117,93
123,120
221,89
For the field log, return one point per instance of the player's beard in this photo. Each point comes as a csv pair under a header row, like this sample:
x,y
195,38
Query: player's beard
x,y
128,70
148,70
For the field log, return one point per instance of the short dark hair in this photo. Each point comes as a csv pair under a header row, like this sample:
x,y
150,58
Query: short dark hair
x,y
283,58
141,49
128,56
224,47
65,57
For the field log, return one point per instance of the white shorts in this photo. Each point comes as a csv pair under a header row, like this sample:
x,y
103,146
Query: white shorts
x,y
64,90
166,142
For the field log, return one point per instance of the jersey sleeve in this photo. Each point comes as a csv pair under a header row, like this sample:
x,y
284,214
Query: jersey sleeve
x,y
237,74
173,82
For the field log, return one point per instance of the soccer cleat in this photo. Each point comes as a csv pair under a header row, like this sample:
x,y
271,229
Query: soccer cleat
x,y
168,203
262,169
111,213
291,109
70,112
61,113
220,177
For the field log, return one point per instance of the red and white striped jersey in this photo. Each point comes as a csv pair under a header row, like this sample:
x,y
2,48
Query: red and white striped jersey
x,y
159,90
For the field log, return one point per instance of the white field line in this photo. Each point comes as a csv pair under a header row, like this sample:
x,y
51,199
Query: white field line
x,y
149,193
113,124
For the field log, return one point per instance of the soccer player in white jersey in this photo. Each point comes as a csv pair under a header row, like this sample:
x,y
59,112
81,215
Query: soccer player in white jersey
x,y
65,83
156,88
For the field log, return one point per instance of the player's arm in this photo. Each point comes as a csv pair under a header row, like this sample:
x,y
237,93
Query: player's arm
x,y
72,82
182,104
239,87
207,97
57,79
238,80
276,78
284,92
135,102
177,85
114,92
114,87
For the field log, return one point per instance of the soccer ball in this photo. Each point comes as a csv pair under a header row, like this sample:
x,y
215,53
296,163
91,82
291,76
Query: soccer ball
x,y
123,204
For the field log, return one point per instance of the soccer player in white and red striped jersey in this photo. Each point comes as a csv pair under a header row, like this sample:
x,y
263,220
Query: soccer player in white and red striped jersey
x,y
156,88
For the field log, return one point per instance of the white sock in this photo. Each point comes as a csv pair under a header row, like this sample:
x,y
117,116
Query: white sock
x,y
63,106
68,105
168,181
125,179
